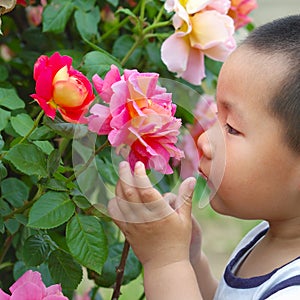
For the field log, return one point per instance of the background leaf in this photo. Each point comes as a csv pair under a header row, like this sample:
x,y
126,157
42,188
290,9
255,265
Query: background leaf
x,y
87,241
51,210
22,124
35,250
64,269
28,159
14,191
56,15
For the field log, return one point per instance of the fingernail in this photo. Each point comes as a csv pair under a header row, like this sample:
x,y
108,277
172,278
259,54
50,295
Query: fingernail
x,y
122,164
139,164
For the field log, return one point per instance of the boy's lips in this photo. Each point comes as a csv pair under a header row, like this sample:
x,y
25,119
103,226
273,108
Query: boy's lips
x,y
202,174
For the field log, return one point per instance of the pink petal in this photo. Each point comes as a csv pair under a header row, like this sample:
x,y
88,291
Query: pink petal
x,y
54,289
55,297
4,296
104,87
28,291
195,70
222,6
176,61
30,276
100,119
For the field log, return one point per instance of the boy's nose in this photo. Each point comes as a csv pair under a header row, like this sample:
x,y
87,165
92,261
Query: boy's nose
x,y
204,145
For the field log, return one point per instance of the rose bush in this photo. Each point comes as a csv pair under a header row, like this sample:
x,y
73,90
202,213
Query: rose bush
x,y
83,85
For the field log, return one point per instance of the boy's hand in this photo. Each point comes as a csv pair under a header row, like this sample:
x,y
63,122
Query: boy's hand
x,y
158,234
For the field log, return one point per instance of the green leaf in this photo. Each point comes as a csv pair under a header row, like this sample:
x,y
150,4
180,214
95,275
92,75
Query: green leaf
x,y
2,228
45,146
87,241
28,159
1,142
51,210
53,161
87,23
22,124
10,99
56,15
3,73
64,129
113,2
96,62
14,191
3,171
35,250
107,170
4,118
132,268
64,269
56,185
127,12
4,208
42,133
85,5
12,225
82,202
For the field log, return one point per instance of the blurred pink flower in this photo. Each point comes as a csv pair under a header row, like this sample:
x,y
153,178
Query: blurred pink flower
x,y
205,117
31,287
34,13
239,11
139,120
201,28
60,87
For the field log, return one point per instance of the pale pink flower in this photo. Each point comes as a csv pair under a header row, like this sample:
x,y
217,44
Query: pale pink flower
x,y
202,28
139,120
239,11
31,287
205,117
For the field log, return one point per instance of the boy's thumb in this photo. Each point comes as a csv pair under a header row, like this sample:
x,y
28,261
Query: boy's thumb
x,y
185,195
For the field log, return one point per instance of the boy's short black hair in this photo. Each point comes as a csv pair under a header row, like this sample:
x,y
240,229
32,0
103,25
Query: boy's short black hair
x,y
282,37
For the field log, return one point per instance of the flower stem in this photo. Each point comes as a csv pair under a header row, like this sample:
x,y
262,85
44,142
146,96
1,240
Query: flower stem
x,y
131,50
35,125
120,271
85,166
5,247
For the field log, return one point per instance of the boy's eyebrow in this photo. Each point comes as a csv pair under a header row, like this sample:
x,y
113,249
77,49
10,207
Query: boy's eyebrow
x,y
233,108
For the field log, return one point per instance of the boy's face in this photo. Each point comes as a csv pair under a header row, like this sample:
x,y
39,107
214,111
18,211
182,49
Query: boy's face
x,y
258,171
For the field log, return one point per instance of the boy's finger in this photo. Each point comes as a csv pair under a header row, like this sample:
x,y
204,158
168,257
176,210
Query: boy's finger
x,y
145,189
185,195
127,189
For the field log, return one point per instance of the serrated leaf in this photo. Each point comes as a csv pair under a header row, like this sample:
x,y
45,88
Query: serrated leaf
x,y
132,268
97,62
3,73
2,228
87,23
14,191
35,250
56,15
107,170
56,185
10,99
64,270
127,12
22,124
87,241
28,159
82,202
42,133
12,225
51,210
4,118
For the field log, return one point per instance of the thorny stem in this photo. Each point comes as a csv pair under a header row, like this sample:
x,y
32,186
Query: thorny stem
x,y
120,271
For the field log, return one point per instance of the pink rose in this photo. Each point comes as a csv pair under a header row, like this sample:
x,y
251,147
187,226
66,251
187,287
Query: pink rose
x,y
139,120
202,28
34,13
31,287
239,11
59,87
205,117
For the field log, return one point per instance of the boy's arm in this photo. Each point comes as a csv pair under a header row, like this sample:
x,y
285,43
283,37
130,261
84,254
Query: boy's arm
x,y
159,235
208,283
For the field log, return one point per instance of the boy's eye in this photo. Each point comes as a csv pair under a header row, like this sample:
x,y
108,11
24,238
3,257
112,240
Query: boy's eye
x,y
231,130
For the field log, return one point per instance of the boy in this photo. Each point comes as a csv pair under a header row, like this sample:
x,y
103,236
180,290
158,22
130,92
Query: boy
x,y
258,98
